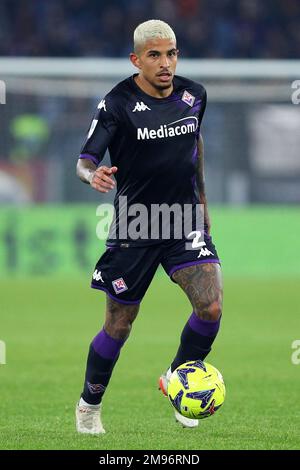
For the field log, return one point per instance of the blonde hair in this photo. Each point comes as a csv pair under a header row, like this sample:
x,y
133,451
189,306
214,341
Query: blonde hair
x,y
151,29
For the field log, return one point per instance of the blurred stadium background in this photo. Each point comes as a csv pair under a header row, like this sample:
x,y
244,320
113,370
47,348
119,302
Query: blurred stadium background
x,y
57,60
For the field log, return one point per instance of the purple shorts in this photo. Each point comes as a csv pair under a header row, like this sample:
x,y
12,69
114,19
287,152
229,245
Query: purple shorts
x,y
125,272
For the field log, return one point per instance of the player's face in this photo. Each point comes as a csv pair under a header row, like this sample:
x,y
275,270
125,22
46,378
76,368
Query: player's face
x,y
157,62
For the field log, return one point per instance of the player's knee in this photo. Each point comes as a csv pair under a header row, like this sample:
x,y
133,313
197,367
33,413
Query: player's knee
x,y
119,329
119,319
211,312
123,331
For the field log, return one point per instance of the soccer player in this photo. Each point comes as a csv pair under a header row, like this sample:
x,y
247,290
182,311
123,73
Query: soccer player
x,y
150,122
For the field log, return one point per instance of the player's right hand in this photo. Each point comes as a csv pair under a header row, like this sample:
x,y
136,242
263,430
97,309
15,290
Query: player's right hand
x,y
100,179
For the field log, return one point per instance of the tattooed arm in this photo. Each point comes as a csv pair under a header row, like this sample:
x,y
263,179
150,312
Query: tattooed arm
x,y
200,181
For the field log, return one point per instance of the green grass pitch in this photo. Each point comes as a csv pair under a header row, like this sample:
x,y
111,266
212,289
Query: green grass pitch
x,y
47,325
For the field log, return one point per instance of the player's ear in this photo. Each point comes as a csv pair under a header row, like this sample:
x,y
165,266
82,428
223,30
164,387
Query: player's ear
x,y
135,60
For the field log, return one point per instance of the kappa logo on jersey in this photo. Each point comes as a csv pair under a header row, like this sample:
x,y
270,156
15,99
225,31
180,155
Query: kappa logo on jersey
x,y
119,285
97,276
140,107
102,105
188,98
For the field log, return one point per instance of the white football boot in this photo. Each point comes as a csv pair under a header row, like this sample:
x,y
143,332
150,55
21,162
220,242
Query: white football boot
x,y
88,419
163,385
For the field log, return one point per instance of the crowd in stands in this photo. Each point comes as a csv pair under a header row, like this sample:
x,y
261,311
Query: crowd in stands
x,y
263,29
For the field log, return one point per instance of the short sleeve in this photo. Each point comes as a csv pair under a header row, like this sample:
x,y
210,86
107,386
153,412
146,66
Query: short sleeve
x,y
101,132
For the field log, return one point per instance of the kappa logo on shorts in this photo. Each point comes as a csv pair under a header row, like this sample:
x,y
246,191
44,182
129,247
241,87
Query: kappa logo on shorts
x,y
119,285
197,243
204,252
188,98
97,276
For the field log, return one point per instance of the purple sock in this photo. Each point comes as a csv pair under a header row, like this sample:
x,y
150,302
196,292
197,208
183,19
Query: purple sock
x,y
203,327
196,340
106,346
103,355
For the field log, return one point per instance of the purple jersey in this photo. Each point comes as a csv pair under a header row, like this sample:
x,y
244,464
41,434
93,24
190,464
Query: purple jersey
x,y
152,141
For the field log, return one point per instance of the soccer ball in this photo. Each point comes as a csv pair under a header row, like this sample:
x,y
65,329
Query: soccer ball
x,y
196,389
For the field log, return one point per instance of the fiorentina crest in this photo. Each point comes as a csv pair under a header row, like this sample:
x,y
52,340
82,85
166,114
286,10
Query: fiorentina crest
x,y
119,285
188,98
